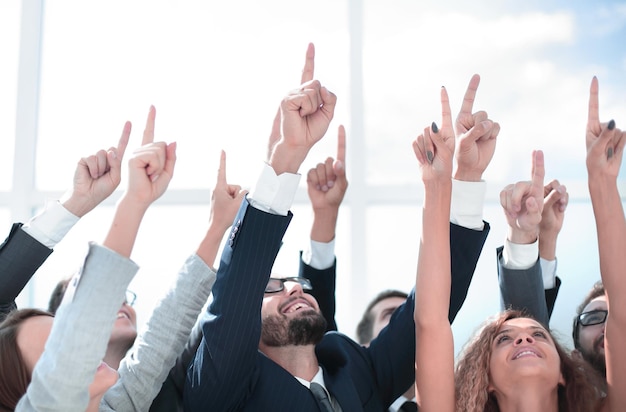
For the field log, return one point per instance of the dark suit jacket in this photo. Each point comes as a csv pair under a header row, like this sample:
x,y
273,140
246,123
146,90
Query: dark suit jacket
x,y
324,280
20,257
523,290
230,374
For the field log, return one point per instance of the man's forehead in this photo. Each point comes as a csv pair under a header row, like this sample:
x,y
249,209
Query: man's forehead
x,y
596,303
390,302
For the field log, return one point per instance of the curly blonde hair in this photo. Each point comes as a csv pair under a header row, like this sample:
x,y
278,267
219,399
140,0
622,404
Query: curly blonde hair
x,y
583,388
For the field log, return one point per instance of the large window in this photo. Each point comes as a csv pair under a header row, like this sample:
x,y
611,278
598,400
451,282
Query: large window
x,y
216,72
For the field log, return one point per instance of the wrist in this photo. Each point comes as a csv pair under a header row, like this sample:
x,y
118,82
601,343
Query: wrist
x,y
468,176
522,237
76,205
285,159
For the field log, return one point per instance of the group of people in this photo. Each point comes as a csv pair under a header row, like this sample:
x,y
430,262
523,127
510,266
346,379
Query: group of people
x,y
268,343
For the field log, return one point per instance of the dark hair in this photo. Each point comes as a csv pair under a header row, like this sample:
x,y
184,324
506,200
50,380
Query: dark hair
x,y
14,376
364,330
57,295
596,290
582,391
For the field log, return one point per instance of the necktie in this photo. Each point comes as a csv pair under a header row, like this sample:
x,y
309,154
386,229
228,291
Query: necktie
x,y
408,406
322,398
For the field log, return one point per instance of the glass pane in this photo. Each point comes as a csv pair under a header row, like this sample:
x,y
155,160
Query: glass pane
x,y
215,71
536,60
9,50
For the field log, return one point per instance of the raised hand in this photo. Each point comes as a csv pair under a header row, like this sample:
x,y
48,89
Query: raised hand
x,y
225,199
555,199
96,177
305,115
523,204
605,142
326,186
327,183
151,166
434,148
476,135
307,75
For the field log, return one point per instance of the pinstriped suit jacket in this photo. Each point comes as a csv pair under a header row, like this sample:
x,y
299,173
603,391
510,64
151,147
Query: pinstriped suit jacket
x,y
20,257
230,374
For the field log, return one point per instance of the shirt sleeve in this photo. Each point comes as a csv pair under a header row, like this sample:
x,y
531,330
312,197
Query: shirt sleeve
x,y
516,256
319,255
51,224
548,271
466,206
272,193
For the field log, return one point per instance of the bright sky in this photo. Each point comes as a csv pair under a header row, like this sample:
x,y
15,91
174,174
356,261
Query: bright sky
x,y
217,70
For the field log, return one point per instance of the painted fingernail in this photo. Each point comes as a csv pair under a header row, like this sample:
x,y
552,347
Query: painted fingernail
x,y
611,125
429,155
434,127
609,153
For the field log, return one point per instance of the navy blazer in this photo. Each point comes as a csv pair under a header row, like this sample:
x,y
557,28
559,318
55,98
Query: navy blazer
x,y
229,373
20,257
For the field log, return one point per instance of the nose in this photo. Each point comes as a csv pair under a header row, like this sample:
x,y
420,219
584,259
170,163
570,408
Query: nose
x,y
524,338
293,288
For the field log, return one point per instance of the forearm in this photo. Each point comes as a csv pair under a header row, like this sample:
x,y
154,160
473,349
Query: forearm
x,y
432,290
80,333
210,245
324,224
125,226
145,367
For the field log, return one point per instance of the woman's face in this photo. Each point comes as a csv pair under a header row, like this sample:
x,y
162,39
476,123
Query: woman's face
x,y
31,339
523,350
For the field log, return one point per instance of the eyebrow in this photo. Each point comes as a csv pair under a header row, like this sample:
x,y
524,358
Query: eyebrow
x,y
528,328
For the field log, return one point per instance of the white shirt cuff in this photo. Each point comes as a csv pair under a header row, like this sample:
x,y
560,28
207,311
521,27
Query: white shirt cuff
x,y
51,224
466,207
548,271
520,257
320,255
274,194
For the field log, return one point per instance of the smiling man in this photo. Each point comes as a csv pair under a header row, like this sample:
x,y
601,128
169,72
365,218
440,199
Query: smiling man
x,y
588,329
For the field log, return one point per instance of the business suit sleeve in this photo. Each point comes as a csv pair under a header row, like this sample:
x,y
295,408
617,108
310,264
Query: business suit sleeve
x,y
20,257
551,295
79,335
223,371
392,353
145,367
522,289
323,282
466,246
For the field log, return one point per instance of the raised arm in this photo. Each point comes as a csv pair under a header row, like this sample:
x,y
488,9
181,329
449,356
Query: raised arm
x,y
521,283
605,148
434,348
28,246
326,186
555,201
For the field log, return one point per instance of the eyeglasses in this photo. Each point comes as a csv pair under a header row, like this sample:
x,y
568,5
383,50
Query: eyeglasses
x,y
593,317
130,298
277,284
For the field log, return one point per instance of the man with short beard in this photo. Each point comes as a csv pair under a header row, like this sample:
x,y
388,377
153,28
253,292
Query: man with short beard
x,y
588,329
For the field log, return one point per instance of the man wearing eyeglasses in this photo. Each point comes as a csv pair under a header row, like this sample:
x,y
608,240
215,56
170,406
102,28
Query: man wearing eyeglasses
x,y
588,328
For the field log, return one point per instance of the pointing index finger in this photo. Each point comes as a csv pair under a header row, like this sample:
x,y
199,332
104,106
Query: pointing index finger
x,y
470,94
538,169
341,145
221,172
446,113
594,111
148,133
309,64
121,145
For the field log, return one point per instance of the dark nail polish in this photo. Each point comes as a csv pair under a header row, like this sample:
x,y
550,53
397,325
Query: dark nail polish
x,y
429,155
611,125
434,127
609,153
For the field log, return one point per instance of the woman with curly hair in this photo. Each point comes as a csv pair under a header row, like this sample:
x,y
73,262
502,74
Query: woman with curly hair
x,y
515,363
